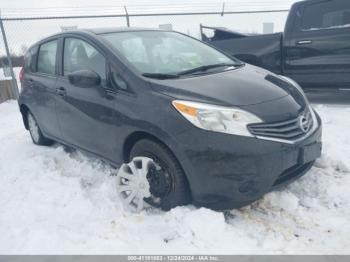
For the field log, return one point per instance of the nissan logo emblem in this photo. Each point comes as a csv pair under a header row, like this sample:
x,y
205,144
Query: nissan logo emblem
x,y
304,123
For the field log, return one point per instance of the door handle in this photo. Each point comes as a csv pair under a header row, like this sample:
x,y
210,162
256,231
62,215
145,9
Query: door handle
x,y
61,91
304,42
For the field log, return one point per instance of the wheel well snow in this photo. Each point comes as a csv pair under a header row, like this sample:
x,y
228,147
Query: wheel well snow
x,y
24,111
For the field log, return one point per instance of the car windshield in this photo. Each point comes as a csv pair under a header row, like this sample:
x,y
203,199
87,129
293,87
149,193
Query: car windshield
x,y
162,53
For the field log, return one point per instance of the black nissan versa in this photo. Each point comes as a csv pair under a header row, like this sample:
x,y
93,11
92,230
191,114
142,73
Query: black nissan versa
x,y
186,122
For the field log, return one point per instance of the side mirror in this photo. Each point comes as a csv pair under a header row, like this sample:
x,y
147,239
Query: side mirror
x,y
84,78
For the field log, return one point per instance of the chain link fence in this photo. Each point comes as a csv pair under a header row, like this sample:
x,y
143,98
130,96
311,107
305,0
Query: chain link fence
x,y
19,33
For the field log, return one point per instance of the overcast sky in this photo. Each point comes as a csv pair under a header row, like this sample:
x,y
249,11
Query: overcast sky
x,y
50,5
24,33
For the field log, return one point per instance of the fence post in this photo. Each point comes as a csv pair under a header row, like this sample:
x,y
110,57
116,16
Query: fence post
x,y
14,81
127,16
223,9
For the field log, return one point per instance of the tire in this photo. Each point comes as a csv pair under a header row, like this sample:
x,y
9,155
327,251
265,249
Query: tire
x,y
35,133
179,193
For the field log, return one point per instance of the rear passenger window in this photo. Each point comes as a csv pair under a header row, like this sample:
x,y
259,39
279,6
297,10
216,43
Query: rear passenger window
x,y
79,55
47,58
29,60
330,15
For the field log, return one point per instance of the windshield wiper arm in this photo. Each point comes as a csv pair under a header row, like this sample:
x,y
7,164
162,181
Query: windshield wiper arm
x,y
190,71
160,75
205,68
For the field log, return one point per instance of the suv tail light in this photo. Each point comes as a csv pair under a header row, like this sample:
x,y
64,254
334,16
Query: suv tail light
x,y
21,75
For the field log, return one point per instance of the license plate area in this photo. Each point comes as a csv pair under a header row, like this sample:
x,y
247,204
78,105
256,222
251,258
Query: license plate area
x,y
310,152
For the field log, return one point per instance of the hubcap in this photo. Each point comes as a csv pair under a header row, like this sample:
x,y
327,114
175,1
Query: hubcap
x,y
140,183
33,128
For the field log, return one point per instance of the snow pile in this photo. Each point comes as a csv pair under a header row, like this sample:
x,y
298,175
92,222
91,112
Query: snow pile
x,y
16,71
58,202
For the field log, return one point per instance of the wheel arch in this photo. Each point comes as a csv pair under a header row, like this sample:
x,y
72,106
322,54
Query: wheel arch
x,y
24,109
136,136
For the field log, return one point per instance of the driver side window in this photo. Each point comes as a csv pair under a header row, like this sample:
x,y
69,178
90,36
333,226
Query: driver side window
x,y
79,55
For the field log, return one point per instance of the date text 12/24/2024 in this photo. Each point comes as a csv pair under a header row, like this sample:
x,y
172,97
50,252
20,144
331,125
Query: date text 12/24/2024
x,y
173,258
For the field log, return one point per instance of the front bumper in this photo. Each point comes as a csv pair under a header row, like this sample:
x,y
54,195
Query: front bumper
x,y
226,171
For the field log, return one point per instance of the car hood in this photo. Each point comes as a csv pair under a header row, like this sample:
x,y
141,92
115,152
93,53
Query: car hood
x,y
244,86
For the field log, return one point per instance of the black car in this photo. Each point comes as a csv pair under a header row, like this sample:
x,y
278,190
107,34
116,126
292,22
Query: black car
x,y
314,48
190,123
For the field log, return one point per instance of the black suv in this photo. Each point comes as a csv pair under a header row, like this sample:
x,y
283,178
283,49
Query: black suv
x,y
190,123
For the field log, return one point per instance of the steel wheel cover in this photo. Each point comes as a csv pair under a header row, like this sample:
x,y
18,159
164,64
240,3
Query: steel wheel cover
x,y
33,128
132,184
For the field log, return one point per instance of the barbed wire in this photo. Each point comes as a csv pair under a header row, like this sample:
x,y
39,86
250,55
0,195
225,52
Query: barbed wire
x,y
157,4
148,8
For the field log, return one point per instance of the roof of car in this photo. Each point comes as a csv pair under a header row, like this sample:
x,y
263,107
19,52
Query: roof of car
x,y
97,31
117,29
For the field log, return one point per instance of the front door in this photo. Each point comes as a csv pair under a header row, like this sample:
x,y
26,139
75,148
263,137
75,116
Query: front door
x,y
86,115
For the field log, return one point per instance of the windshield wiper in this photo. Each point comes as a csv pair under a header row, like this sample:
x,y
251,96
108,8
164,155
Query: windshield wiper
x,y
205,68
190,71
160,75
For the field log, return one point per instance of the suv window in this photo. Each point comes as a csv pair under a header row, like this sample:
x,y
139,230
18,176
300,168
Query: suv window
x,y
47,58
79,55
330,14
29,60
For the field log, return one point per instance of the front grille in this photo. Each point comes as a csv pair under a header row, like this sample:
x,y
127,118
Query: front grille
x,y
291,129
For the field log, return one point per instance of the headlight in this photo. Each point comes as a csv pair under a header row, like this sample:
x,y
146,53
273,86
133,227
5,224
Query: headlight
x,y
297,86
217,118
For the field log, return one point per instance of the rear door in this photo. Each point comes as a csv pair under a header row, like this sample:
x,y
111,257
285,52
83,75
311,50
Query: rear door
x,y
318,48
86,115
42,80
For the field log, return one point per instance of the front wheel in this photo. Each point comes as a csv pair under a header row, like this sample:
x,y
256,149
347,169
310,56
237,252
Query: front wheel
x,y
153,177
35,132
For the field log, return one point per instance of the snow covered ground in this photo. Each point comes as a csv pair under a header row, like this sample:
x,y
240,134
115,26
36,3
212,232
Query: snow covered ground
x,y
58,202
16,71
